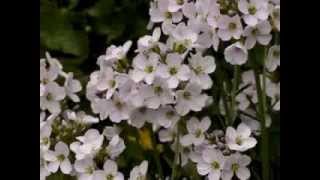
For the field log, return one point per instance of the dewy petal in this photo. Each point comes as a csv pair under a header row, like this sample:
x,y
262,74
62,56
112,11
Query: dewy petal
x,y
243,173
66,166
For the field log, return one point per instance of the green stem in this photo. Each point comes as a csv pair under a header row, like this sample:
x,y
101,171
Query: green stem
x,y
176,155
226,105
235,84
261,93
156,155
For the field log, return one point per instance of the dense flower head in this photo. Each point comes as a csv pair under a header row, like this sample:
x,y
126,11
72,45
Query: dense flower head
x,y
174,84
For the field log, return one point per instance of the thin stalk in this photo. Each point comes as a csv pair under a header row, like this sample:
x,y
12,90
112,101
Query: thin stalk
x,y
235,84
261,93
176,155
226,105
156,156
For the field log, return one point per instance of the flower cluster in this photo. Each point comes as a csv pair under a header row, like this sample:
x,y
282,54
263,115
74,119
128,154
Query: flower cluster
x,y
168,84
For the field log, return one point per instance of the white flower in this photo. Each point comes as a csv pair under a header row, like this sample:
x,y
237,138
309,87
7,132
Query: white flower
x,y
145,67
81,117
111,131
260,33
50,69
236,164
72,86
139,172
201,67
87,145
273,91
159,12
99,107
158,94
212,164
240,140
196,131
115,147
190,99
50,100
110,171
147,42
229,27
59,158
183,38
174,70
275,15
85,168
273,58
236,54
167,116
167,135
176,5
131,93
139,116
119,109
114,54
45,133
253,10
243,101
109,81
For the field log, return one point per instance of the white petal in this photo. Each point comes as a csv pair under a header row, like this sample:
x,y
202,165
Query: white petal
x,y
243,173
53,166
250,20
66,166
243,130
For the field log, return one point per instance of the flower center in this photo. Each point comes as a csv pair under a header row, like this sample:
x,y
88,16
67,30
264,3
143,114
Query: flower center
x,y
232,26
215,165
276,53
49,97
180,48
118,105
187,95
198,133
198,70
168,15
109,177
179,2
169,114
61,157
235,167
158,90
252,10
149,69
239,141
112,83
173,71
89,170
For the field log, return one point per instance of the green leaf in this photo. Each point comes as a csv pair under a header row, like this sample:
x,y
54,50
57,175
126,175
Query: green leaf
x,y
58,34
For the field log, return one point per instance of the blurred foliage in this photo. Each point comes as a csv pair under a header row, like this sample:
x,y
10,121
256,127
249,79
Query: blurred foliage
x,y
78,31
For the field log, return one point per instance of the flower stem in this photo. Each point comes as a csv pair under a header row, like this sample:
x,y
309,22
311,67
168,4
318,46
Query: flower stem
x,y
176,155
235,84
261,93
